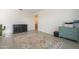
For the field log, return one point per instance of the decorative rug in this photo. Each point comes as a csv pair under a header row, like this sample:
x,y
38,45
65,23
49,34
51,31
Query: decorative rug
x,y
37,40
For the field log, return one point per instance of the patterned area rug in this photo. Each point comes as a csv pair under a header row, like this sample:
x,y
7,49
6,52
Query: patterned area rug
x,y
37,40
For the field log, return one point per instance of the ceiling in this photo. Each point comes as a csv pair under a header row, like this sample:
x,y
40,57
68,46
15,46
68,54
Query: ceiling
x,y
30,10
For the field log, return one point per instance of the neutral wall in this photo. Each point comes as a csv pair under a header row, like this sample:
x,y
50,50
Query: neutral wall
x,y
50,20
10,17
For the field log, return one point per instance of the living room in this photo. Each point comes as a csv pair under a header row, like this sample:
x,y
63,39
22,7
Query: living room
x,y
48,21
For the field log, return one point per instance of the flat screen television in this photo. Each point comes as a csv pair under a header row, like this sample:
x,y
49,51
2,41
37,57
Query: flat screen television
x,y
19,28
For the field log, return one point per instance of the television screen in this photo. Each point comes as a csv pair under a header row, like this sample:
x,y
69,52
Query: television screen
x,y
18,28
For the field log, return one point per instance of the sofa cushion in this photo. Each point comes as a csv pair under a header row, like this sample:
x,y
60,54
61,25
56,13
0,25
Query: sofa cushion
x,y
68,25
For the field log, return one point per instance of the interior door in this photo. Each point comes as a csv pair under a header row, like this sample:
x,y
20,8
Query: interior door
x,y
36,22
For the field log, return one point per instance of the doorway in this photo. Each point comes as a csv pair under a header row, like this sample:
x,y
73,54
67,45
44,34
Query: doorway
x,y
36,22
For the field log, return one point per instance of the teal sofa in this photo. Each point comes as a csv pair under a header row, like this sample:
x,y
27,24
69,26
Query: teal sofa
x,y
69,33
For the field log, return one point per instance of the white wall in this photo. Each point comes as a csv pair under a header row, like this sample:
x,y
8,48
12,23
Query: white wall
x,y
10,17
50,20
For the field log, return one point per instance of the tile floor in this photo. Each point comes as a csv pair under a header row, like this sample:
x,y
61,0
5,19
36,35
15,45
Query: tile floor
x,y
35,40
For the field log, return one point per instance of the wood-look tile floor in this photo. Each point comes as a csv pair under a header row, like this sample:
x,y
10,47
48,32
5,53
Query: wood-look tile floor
x,y
35,40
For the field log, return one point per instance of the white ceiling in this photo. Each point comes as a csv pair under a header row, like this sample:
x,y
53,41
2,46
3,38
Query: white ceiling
x,y
30,10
